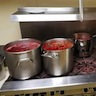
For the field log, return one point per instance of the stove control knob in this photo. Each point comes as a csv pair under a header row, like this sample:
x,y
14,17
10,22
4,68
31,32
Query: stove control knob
x,y
43,94
35,94
85,90
52,93
62,92
27,95
94,88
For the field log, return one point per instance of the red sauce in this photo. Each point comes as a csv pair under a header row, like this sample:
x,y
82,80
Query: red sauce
x,y
82,36
23,46
57,45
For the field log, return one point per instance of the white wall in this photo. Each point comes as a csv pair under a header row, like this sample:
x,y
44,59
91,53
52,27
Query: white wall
x,y
9,30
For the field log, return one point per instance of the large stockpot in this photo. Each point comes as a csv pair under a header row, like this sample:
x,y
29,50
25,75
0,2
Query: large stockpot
x,y
25,64
58,62
83,44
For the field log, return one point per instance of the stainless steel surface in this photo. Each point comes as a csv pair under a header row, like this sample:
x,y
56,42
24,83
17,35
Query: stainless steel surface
x,y
49,84
27,14
81,9
83,44
58,62
26,64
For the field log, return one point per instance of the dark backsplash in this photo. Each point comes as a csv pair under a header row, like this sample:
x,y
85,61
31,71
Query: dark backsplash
x,y
47,30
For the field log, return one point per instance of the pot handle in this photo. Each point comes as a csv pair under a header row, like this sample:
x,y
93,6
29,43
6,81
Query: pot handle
x,y
50,55
94,36
3,59
23,60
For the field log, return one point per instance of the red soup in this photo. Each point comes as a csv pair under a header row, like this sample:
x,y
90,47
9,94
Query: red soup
x,y
22,46
57,45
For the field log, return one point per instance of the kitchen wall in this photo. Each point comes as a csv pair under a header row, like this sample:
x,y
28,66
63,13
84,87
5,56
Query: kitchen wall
x,y
87,3
10,31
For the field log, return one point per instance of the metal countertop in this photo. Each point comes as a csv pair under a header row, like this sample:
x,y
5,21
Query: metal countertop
x,y
49,84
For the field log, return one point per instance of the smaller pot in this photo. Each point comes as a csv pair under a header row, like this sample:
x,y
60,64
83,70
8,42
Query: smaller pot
x,y
58,61
94,41
83,44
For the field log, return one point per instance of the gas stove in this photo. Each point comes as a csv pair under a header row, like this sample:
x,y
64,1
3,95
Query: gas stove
x,y
82,78
82,66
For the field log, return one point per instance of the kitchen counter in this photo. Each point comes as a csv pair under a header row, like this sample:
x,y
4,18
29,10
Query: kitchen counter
x,y
49,84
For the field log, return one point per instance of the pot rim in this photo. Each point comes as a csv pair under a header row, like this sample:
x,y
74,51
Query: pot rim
x,y
58,39
75,35
20,40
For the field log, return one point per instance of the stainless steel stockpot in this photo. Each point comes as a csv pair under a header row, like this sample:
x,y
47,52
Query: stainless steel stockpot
x,y
26,64
58,62
83,44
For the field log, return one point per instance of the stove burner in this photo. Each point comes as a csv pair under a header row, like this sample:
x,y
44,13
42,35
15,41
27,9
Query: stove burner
x,y
84,65
84,68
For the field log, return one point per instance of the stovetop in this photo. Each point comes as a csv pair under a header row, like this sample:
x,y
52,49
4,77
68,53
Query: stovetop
x,y
82,76
82,66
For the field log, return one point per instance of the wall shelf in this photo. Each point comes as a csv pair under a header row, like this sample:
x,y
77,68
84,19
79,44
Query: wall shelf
x,y
36,14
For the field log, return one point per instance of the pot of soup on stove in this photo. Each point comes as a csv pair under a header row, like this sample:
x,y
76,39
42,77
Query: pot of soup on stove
x,y
83,44
58,56
23,58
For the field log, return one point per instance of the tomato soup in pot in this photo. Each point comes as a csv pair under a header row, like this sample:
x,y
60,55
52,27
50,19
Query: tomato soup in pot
x,y
57,45
23,46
